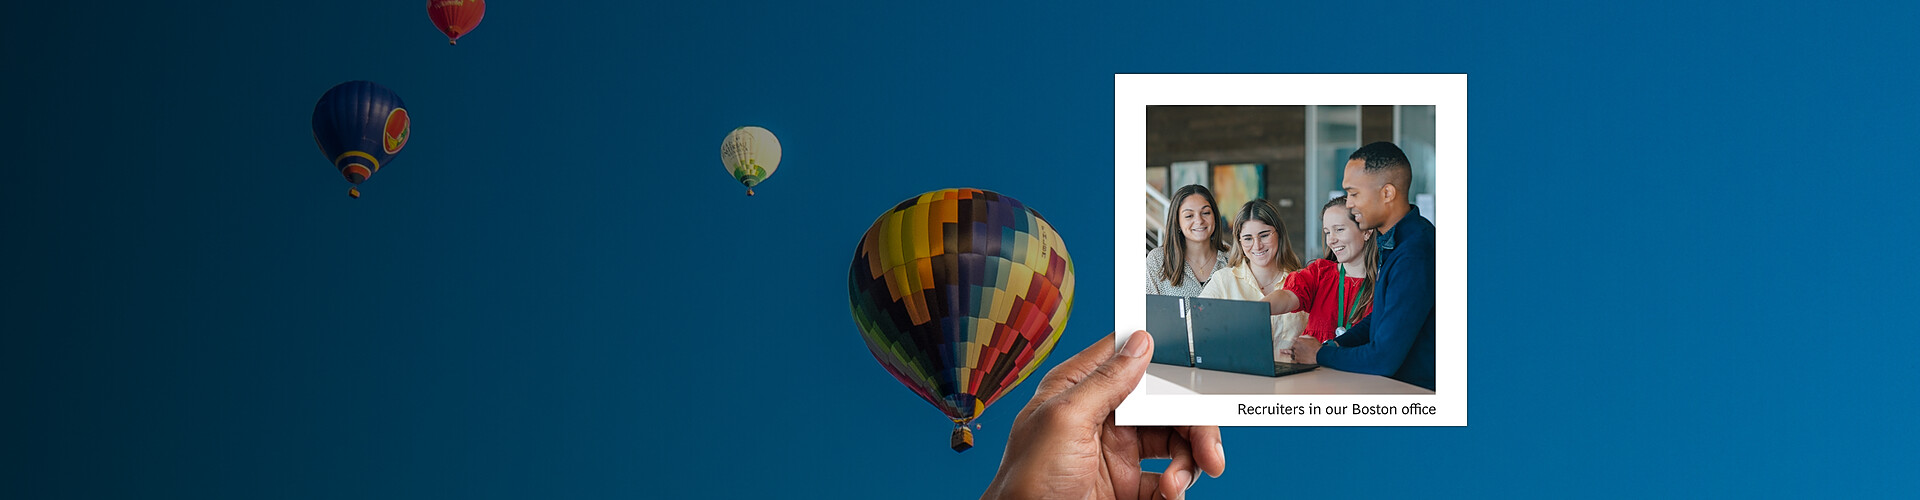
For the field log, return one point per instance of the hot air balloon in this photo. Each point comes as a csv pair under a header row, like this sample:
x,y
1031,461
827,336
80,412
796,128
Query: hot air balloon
x,y
360,126
961,294
456,17
750,154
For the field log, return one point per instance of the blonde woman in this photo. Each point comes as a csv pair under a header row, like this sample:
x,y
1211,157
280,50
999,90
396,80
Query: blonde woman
x,y
1262,258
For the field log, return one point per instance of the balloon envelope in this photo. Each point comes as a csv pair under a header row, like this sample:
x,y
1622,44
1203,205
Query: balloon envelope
x,y
961,294
456,17
750,155
360,126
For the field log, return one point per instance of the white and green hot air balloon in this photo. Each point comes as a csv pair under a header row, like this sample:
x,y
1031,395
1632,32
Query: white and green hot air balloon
x,y
750,155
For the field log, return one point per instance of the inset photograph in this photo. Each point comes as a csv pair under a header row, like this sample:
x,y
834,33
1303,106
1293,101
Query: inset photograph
x,y
1252,245
1291,239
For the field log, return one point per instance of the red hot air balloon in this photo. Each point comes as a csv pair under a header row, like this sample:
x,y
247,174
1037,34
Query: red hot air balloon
x,y
456,17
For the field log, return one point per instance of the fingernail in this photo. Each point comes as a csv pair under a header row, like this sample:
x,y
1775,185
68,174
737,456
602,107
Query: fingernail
x,y
1186,478
1137,344
1221,451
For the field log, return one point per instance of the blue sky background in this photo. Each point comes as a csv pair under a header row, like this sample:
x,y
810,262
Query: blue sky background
x,y
555,291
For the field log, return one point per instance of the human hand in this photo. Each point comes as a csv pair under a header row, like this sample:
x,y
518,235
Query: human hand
x,y
1064,444
1306,349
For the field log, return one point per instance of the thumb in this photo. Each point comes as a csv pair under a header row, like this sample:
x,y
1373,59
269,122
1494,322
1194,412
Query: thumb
x,y
1109,384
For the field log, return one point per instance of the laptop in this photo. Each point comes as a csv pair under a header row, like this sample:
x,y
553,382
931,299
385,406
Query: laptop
x,y
1235,336
1167,323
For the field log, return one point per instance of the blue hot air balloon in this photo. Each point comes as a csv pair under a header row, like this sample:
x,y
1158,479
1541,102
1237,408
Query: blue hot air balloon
x,y
360,126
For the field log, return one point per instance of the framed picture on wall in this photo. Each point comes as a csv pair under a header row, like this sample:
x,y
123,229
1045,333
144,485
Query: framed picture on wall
x,y
1188,172
1235,185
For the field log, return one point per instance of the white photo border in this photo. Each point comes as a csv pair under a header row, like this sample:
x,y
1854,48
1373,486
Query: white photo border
x,y
1447,93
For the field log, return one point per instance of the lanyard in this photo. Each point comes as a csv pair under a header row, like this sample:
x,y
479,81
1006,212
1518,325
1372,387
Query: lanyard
x,y
1346,318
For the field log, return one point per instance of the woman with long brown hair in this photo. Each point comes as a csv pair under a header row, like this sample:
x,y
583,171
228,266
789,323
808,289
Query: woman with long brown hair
x,y
1262,258
1337,291
1193,247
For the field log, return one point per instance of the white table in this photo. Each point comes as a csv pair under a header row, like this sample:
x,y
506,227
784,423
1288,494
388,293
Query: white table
x,y
1170,379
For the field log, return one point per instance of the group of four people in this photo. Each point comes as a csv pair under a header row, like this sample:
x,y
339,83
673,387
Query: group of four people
x,y
1367,306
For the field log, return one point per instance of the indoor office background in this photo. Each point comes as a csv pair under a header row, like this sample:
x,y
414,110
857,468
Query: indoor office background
x,y
1291,155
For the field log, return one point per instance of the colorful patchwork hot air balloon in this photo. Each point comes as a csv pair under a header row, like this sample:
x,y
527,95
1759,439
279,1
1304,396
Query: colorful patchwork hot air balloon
x,y
456,17
750,155
960,294
360,126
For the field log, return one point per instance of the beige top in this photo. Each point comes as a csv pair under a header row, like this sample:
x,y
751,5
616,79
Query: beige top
x,y
1239,284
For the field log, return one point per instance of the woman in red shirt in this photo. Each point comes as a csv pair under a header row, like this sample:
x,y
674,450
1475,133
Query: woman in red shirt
x,y
1336,291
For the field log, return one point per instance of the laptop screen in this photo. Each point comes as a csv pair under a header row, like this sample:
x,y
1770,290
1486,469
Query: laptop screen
x,y
1167,322
1232,335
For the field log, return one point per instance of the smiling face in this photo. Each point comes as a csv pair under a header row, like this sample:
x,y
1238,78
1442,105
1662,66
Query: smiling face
x,y
1259,242
1196,219
1365,194
1343,237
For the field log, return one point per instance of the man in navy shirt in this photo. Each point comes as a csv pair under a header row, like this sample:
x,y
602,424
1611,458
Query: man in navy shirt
x,y
1397,338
